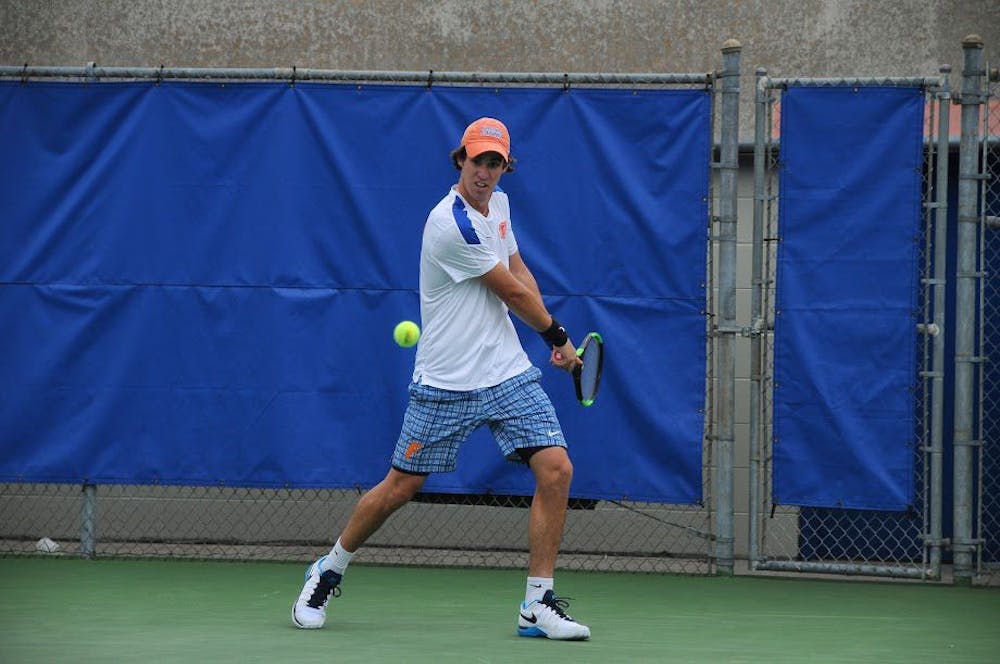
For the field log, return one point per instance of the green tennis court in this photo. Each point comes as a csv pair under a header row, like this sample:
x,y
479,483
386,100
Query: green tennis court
x,y
177,611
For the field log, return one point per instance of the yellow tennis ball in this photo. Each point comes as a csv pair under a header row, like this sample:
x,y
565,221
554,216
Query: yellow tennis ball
x,y
406,333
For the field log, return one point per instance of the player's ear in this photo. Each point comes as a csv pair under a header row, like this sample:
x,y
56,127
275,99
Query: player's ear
x,y
458,156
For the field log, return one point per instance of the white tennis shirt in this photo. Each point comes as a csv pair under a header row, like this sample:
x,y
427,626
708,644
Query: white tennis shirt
x,y
468,340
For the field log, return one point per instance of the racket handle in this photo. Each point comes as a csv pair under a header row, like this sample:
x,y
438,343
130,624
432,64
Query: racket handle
x,y
578,368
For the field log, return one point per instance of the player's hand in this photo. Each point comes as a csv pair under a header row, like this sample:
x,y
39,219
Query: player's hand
x,y
565,357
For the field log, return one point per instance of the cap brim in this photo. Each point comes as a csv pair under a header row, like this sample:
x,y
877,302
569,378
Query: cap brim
x,y
475,148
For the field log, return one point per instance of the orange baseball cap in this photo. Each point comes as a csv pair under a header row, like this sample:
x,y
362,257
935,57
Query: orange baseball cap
x,y
486,135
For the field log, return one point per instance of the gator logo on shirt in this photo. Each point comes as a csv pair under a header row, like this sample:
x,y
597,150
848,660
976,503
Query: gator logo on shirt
x,y
503,229
412,449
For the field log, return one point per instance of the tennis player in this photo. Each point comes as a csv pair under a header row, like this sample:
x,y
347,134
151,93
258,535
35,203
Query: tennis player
x,y
470,371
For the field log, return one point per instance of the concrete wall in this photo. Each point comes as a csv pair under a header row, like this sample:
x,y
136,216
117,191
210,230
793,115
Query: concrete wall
x,y
788,37
810,37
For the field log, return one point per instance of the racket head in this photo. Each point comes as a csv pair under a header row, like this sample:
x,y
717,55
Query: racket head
x,y
587,378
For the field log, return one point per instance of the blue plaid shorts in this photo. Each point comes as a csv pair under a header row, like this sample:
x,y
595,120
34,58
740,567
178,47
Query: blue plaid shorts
x,y
437,422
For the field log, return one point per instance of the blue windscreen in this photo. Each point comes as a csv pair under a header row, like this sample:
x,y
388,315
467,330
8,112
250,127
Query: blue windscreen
x,y
199,281
846,302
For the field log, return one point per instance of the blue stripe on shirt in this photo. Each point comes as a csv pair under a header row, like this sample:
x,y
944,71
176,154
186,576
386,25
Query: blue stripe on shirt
x,y
463,222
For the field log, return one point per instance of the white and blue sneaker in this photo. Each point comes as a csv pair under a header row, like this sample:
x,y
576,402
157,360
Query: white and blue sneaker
x,y
309,610
547,618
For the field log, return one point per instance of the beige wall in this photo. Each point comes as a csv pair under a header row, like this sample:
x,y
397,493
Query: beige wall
x,y
789,37
809,37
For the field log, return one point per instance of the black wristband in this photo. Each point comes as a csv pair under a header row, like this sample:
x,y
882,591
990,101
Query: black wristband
x,y
556,335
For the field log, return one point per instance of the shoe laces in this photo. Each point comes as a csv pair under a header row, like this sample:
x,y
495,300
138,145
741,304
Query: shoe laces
x,y
328,584
557,604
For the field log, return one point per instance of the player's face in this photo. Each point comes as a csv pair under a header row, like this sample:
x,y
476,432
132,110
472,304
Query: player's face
x,y
479,177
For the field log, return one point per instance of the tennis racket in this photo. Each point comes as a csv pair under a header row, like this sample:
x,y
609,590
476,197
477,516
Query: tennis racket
x,y
587,378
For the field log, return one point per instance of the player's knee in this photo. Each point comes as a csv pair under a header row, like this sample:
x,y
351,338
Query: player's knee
x,y
555,471
404,493
402,487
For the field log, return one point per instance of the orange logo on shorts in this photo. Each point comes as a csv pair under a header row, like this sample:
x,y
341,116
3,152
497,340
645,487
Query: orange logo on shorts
x,y
412,449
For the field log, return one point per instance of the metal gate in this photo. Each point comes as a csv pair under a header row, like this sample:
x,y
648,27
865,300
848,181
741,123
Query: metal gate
x,y
794,538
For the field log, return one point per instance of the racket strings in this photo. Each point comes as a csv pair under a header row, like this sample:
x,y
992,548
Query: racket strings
x,y
590,372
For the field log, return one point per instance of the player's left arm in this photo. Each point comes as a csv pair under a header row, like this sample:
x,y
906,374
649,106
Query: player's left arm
x,y
520,270
516,286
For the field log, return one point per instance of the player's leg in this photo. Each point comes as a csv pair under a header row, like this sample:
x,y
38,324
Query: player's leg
x,y
543,613
434,426
377,505
553,473
324,576
527,430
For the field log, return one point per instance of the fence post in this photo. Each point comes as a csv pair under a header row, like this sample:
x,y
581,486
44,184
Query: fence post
x,y
726,330
757,326
88,521
963,543
939,280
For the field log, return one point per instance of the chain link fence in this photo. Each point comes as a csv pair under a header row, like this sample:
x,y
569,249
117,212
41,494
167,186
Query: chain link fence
x,y
232,523
988,480
789,538
293,524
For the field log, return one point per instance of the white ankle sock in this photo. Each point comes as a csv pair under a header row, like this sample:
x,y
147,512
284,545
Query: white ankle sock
x,y
537,585
339,558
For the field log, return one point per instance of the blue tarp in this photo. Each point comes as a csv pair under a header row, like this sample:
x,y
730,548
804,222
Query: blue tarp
x,y
845,351
990,419
199,281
